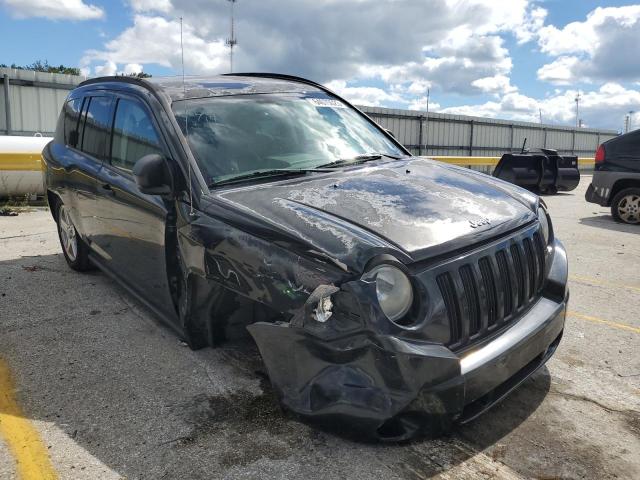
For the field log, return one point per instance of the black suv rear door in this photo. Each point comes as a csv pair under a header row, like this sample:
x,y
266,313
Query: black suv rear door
x,y
87,138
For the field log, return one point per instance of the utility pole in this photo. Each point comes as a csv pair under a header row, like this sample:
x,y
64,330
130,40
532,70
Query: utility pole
x,y
231,41
540,112
426,141
578,109
627,121
428,94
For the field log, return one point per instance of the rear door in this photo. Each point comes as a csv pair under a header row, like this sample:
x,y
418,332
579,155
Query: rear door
x,y
87,125
131,225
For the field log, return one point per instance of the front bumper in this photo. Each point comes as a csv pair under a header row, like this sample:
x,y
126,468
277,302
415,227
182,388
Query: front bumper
x,y
394,388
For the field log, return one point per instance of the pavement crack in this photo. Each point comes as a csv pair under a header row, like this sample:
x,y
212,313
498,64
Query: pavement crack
x,y
589,400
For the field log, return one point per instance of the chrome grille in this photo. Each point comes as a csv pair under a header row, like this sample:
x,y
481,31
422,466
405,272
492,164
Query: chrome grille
x,y
489,290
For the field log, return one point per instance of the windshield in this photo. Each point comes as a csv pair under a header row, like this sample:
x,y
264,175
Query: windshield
x,y
234,136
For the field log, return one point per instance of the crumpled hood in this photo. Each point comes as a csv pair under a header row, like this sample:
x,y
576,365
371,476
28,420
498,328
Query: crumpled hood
x,y
417,206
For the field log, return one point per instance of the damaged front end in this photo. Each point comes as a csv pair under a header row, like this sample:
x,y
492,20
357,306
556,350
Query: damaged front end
x,y
329,366
342,363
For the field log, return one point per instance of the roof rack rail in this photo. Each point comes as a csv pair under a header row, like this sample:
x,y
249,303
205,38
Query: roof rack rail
x,y
116,78
280,76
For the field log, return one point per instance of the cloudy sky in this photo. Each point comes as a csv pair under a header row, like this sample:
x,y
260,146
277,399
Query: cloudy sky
x,y
503,59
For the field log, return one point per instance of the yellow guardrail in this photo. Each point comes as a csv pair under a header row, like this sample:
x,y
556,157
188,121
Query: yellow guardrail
x,y
21,161
492,161
32,162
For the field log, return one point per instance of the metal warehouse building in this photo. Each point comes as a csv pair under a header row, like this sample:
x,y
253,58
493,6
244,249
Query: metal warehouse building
x,y
30,103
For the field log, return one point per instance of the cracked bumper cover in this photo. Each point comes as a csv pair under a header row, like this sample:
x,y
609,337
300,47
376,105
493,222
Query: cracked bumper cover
x,y
394,388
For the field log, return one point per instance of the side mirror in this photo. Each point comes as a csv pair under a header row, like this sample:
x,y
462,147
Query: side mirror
x,y
390,133
152,175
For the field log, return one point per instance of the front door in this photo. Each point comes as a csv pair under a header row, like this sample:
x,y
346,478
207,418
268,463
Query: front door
x,y
131,225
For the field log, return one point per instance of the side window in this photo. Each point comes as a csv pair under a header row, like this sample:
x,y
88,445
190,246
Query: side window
x,y
133,135
71,115
97,127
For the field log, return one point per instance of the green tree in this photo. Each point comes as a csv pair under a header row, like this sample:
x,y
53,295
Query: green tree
x,y
43,66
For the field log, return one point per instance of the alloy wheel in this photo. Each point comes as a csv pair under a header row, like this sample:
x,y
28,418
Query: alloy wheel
x,y
68,234
629,208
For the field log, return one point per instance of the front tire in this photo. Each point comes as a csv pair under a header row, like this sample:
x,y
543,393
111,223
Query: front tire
x,y
625,206
75,251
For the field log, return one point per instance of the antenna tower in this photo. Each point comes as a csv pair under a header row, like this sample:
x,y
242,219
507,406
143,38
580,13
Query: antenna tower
x,y
232,41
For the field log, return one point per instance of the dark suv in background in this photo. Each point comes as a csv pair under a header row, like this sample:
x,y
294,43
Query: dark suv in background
x,y
616,179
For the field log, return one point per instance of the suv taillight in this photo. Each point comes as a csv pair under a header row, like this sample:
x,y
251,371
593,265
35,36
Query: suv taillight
x,y
600,154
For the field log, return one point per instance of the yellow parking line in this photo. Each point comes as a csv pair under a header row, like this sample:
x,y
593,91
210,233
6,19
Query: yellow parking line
x,y
24,442
595,281
589,318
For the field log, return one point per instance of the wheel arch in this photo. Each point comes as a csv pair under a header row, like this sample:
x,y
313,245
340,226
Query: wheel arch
x,y
53,200
623,184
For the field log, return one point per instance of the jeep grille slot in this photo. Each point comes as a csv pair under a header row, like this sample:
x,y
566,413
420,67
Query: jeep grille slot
x,y
519,270
491,294
471,298
539,248
448,291
532,266
505,281
489,290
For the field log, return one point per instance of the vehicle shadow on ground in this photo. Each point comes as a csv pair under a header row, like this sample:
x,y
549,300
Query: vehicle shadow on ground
x,y
95,364
608,223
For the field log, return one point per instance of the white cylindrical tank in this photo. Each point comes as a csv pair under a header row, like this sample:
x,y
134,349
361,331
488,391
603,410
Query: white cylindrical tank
x,y
21,165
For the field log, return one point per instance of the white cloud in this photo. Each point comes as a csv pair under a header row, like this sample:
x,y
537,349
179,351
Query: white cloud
x,y
560,71
163,6
156,40
604,107
107,69
371,52
455,44
132,68
371,96
419,87
595,49
498,84
55,10
421,104
462,62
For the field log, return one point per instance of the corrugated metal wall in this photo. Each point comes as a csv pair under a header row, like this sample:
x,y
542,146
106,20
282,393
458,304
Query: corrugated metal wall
x,y
459,135
36,98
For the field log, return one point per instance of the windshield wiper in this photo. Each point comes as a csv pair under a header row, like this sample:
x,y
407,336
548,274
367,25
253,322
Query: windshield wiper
x,y
365,157
265,173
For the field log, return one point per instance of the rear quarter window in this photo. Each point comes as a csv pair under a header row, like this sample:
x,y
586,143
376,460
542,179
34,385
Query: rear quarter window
x,y
71,114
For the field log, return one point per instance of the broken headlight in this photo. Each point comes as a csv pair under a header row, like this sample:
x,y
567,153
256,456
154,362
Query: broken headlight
x,y
393,289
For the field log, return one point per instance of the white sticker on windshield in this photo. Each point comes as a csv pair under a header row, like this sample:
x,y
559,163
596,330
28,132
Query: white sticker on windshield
x,y
327,102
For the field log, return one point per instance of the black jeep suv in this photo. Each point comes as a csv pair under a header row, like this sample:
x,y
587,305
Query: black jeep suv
x,y
387,292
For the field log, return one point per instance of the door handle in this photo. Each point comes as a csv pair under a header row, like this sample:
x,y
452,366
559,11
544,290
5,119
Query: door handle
x,y
109,190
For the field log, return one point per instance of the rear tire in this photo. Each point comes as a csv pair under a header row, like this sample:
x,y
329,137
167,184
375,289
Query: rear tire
x,y
75,251
625,206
